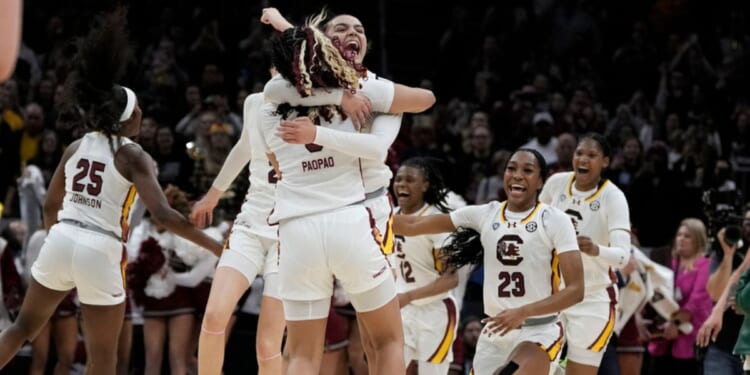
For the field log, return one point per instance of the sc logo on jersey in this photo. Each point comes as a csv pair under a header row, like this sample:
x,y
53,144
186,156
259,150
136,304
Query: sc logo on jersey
x,y
595,205
509,250
531,227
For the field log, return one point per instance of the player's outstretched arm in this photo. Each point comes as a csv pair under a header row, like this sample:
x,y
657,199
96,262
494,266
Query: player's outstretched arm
x,y
139,169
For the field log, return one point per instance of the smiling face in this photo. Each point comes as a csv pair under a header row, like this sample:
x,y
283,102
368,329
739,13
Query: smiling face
x,y
588,162
522,181
410,186
349,30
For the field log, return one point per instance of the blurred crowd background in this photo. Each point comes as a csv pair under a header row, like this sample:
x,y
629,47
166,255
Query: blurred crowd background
x,y
665,80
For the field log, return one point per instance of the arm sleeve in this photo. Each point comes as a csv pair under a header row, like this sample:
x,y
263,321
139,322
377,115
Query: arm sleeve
x,y
279,90
470,216
561,231
616,254
198,273
373,146
241,152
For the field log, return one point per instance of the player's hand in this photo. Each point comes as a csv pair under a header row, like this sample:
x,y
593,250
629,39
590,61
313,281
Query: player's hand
x,y
202,212
710,329
587,246
272,16
505,321
631,266
357,107
275,164
298,131
269,15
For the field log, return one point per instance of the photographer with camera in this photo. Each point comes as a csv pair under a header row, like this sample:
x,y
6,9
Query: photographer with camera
x,y
719,357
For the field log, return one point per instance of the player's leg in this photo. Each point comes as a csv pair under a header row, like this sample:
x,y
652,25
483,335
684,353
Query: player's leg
x,y
383,323
50,283
306,326
237,268
589,327
40,350
101,328
124,346
361,350
65,334
226,289
271,325
436,325
527,358
271,322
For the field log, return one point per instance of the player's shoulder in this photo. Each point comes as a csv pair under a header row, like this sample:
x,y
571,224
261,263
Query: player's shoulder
x,y
552,214
611,188
253,101
559,180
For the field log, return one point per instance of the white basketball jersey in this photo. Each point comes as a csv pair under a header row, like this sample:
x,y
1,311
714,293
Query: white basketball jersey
x,y
313,178
417,260
594,214
95,191
376,173
521,264
259,199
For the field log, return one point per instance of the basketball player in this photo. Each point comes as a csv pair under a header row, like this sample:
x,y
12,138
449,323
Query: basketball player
x,y
600,214
252,246
428,310
524,244
88,204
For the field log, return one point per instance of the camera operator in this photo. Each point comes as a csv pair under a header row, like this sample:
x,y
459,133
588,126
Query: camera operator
x,y
719,358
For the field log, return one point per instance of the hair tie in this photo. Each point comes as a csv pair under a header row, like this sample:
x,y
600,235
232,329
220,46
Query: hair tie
x,y
129,105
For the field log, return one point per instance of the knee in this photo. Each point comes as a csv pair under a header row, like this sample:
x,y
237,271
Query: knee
x,y
266,347
214,319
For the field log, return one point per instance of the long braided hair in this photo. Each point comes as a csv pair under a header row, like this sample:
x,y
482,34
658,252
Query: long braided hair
x,y
437,192
309,59
464,246
92,97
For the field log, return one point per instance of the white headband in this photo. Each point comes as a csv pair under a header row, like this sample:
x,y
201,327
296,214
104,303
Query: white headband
x,y
129,106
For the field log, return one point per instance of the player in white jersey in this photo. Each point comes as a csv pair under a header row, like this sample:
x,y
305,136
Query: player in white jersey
x,y
428,309
93,189
524,244
253,243
600,214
